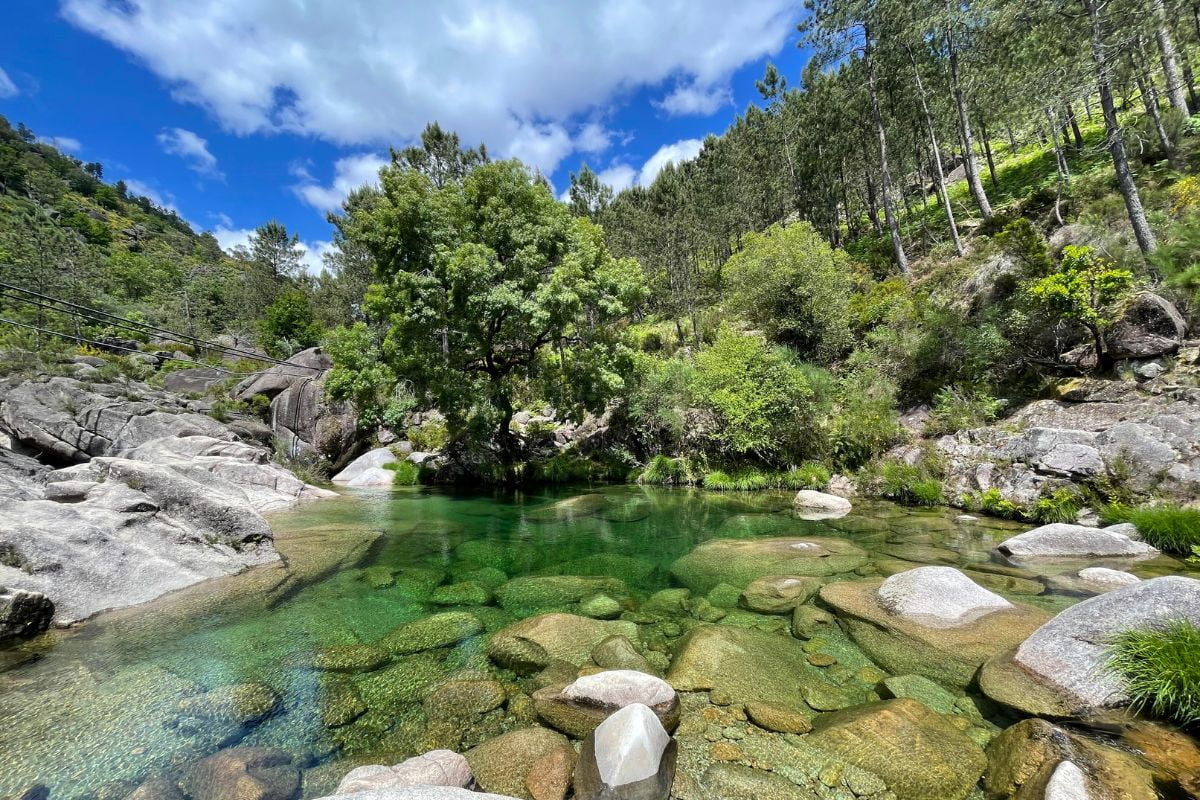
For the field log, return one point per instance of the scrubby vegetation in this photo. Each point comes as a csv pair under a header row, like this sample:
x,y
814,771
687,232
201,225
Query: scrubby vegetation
x,y
1170,528
1161,668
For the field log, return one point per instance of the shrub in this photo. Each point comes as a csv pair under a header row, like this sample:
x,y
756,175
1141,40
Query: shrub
x,y
993,503
1169,528
909,484
430,436
665,471
289,325
658,397
1185,195
864,423
957,409
1062,505
1161,668
806,476
745,480
404,473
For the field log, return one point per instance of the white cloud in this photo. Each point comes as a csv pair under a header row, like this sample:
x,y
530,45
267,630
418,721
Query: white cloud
x,y
190,147
229,237
618,176
683,150
593,138
7,87
350,173
516,75
693,99
64,143
144,189
314,256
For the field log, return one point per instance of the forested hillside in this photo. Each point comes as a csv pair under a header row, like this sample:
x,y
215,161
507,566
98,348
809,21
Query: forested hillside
x,y
953,208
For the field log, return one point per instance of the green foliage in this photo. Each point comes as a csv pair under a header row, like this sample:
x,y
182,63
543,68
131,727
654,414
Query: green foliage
x,y
360,376
765,403
289,325
404,473
666,471
794,287
993,503
1022,241
659,396
483,280
806,476
1061,505
1171,529
864,423
910,484
748,479
957,409
1087,289
430,436
745,480
1161,669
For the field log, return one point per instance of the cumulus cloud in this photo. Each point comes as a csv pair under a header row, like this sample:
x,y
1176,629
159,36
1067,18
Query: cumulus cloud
x,y
137,187
190,147
64,143
677,152
516,75
7,87
693,99
349,173
593,138
618,176
228,236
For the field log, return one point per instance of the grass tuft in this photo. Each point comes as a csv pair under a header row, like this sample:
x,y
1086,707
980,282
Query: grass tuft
x,y
404,473
1169,528
1161,668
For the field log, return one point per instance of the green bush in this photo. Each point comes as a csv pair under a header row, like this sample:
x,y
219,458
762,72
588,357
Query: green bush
x,y
956,409
659,395
666,471
910,484
806,476
1169,528
993,503
864,422
430,436
1161,669
1062,505
746,480
405,473
289,325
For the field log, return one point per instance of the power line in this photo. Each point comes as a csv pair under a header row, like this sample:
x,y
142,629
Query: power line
x,y
100,344
143,327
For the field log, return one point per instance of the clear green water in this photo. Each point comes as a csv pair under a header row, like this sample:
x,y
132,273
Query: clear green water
x,y
94,711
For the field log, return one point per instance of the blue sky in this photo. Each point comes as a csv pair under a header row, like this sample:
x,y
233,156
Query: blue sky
x,y
234,112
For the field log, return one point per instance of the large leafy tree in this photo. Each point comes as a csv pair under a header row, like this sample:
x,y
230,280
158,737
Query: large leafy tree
x,y
488,285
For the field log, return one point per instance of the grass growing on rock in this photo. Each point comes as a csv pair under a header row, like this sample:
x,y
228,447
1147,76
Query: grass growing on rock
x,y
1169,528
404,473
806,476
1162,669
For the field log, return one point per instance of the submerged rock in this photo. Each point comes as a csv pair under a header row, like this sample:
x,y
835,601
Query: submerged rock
x,y
435,768
244,773
439,630
738,562
950,655
533,594
779,594
630,756
814,505
917,752
532,644
586,702
778,717
1063,540
1060,669
516,763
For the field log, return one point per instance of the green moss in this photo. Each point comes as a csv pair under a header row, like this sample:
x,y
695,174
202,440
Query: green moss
x,y
1161,668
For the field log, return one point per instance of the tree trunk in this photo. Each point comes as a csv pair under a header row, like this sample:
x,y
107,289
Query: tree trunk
x,y
1074,121
939,172
1150,100
964,124
1060,160
885,178
1012,140
1170,60
987,152
1116,146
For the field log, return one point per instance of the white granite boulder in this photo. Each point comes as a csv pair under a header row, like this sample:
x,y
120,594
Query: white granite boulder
x,y
938,597
820,505
1064,540
630,756
368,469
435,768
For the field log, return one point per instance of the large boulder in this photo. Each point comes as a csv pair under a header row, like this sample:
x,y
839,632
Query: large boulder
x,y
533,644
530,595
21,477
926,643
751,665
23,613
580,706
779,594
368,469
1064,540
941,597
630,756
1059,670
419,793
435,768
918,753
820,505
194,380
531,763
1151,326
244,773
740,561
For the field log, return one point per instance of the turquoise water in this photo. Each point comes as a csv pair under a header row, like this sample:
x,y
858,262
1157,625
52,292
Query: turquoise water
x,y
94,711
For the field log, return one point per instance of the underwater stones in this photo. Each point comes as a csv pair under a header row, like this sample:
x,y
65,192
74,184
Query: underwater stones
x,y
667,602
489,578
416,583
583,505
917,752
617,652
808,621
1063,540
512,761
378,577
778,717
736,782
1104,579
1067,782
779,594
244,773
464,698
995,581
341,704
405,681
532,594
740,561
921,689
585,703
949,655
533,643
439,630
435,768
240,703
351,658
466,593
629,756
746,665
938,596
600,606
1068,653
